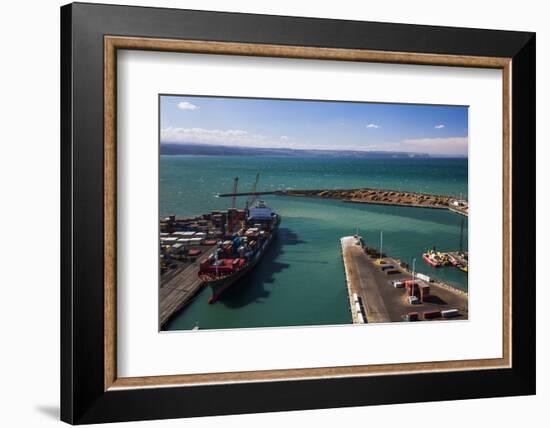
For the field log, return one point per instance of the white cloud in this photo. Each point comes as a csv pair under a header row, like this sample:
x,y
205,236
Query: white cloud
x,y
234,137
383,147
184,105
440,126
373,126
438,146
453,146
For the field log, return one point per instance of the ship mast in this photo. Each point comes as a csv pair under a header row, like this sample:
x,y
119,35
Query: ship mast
x,y
254,187
234,199
461,234
380,259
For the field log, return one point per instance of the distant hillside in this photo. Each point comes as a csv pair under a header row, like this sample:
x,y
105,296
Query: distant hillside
x,y
211,150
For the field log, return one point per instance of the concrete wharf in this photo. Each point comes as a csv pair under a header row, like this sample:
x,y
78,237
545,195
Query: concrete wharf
x,y
180,287
381,301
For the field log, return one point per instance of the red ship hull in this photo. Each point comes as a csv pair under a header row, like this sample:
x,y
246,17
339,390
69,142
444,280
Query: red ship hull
x,y
429,261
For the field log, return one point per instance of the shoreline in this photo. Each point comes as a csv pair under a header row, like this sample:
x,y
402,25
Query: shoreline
x,y
383,197
441,284
432,281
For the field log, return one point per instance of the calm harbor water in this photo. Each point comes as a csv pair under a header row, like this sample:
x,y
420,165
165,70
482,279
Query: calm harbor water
x,y
300,280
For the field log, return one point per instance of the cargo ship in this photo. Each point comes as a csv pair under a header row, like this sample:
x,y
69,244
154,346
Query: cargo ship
x,y
236,256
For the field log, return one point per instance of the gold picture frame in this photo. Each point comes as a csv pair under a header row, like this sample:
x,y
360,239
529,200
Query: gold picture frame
x,y
114,43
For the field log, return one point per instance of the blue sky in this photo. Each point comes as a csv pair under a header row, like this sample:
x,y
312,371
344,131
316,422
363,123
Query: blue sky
x,y
246,122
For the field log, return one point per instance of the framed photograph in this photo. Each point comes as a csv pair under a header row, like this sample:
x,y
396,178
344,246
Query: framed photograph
x,y
266,213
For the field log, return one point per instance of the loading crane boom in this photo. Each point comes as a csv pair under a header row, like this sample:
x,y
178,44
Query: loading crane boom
x,y
461,245
254,188
234,199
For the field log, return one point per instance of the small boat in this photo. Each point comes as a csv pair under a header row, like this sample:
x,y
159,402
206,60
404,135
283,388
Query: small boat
x,y
444,258
463,268
452,260
432,259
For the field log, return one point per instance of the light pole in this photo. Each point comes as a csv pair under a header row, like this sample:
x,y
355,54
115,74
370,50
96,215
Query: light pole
x,y
414,264
380,259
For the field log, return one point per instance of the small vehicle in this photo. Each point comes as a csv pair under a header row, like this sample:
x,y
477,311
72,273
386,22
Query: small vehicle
x,y
413,300
398,284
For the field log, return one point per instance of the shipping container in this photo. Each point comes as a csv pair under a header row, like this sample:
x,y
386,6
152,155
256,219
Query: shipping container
x,y
177,248
450,313
412,316
169,241
431,315
422,276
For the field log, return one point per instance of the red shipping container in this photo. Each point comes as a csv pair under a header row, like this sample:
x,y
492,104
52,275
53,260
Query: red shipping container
x,y
412,316
431,315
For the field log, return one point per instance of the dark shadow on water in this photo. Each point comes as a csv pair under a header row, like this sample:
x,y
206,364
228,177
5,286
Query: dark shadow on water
x,y
251,288
308,261
288,237
287,251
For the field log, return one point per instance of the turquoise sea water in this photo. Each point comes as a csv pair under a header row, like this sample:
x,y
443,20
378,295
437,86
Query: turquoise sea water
x,y
300,281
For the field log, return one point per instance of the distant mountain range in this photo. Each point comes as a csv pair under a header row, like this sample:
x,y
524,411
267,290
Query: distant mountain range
x,y
211,150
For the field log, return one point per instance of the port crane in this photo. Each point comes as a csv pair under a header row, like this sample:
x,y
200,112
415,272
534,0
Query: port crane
x,y
234,199
231,221
461,245
254,188
254,192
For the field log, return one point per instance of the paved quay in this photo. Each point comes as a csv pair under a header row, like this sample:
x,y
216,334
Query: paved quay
x,y
381,302
179,287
